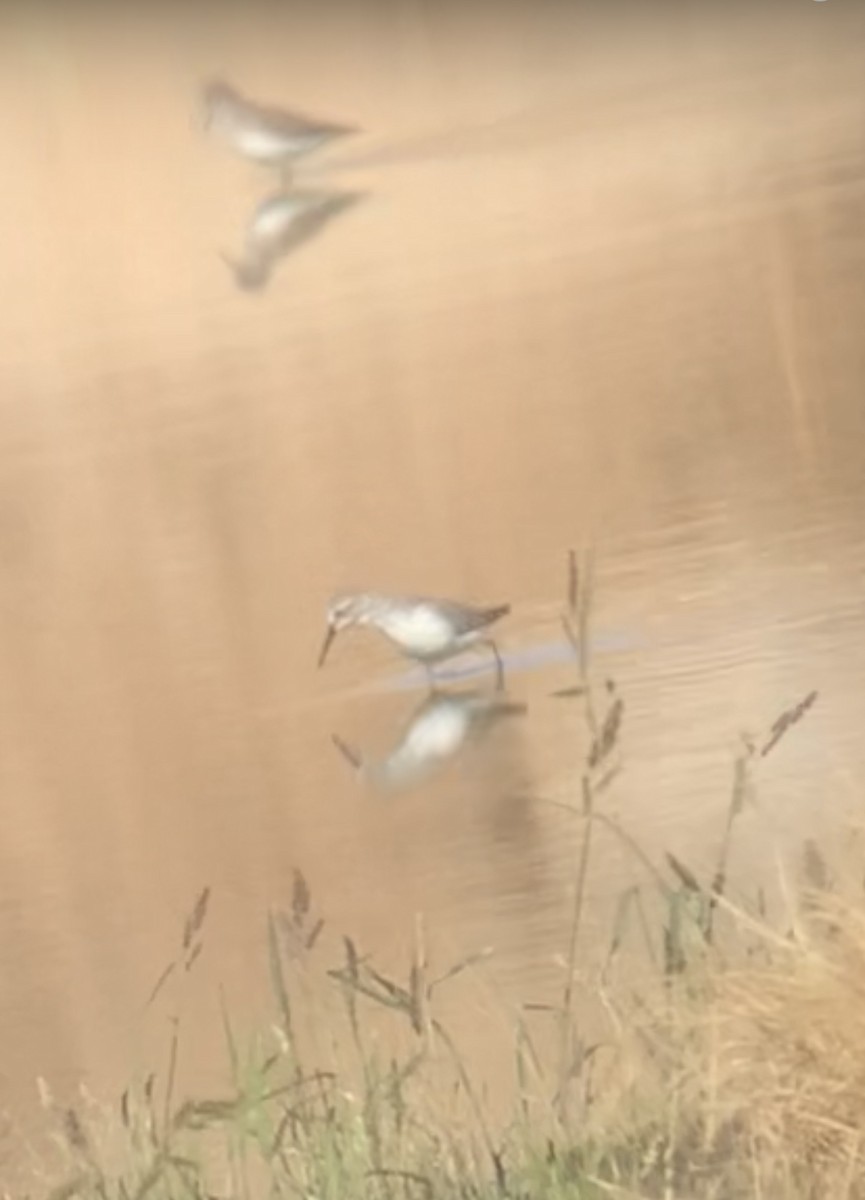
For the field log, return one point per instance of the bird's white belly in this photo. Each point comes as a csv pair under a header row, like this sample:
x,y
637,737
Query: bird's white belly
x,y
266,145
420,632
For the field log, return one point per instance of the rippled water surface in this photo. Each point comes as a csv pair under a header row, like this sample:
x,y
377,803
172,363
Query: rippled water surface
x,y
605,289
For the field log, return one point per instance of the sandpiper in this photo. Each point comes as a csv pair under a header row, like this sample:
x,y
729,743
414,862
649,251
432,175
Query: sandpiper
x,y
425,629
281,223
271,136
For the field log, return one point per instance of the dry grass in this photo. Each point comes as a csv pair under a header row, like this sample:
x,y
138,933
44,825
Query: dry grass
x,y
728,1081
788,1054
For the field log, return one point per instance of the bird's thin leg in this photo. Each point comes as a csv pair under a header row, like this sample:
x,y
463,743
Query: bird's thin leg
x,y
500,666
431,679
284,177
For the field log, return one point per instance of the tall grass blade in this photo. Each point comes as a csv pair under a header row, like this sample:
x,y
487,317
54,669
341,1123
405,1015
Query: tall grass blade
x,y
230,1043
277,979
195,921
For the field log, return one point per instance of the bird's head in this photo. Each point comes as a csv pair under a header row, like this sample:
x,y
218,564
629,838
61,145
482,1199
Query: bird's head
x,y
216,97
345,609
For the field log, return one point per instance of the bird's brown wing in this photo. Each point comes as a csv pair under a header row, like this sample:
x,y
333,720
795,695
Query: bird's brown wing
x,y
468,619
292,123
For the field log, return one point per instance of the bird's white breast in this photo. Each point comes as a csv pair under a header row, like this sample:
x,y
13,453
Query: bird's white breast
x,y
257,141
421,631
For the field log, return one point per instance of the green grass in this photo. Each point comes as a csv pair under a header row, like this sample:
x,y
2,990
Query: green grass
x,y
739,1070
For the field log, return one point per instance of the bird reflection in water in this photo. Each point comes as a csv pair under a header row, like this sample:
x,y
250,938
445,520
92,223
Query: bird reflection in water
x,y
280,224
442,727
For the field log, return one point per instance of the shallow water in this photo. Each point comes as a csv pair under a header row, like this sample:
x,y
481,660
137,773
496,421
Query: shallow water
x,y
606,290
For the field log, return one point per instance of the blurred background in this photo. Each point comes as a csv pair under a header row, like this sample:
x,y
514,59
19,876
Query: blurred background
x,y
605,289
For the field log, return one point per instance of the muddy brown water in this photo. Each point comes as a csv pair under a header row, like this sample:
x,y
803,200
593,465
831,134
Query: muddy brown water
x,y
607,289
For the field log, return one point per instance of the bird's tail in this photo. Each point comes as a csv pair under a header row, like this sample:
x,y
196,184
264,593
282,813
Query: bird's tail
x,y
489,615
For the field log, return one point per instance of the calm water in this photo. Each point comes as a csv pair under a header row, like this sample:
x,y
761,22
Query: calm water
x,y
606,289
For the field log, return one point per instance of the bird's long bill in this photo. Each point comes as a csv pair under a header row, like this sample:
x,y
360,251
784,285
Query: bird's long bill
x,y
325,646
